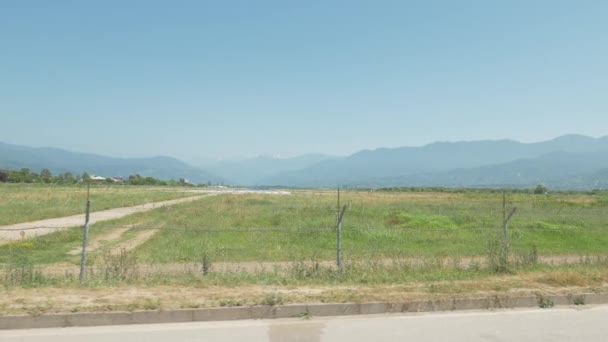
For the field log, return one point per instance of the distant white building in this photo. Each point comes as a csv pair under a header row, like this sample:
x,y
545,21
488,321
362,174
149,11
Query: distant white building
x,y
98,178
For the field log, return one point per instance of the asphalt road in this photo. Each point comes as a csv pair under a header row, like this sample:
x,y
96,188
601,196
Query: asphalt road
x,y
565,324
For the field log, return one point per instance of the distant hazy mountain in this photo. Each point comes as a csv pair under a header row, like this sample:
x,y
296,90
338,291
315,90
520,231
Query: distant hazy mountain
x,y
558,170
474,163
567,162
57,160
253,171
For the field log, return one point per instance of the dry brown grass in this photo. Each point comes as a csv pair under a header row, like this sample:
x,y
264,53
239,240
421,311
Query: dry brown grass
x,y
571,278
129,298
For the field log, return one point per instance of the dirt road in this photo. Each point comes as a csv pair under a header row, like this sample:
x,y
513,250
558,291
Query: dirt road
x,y
36,228
43,227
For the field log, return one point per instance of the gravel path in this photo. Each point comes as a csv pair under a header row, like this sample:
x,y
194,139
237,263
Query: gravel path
x,y
36,228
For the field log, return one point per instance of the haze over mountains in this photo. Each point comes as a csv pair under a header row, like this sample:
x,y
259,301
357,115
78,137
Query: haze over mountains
x,y
496,163
567,162
57,160
255,171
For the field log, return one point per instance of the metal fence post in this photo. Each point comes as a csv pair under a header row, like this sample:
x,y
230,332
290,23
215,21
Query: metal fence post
x,y
85,239
505,228
338,208
505,222
339,241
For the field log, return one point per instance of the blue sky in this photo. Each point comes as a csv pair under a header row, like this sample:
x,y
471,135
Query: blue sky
x,y
224,79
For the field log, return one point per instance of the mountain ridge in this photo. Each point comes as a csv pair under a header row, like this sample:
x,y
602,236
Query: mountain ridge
x,y
385,163
568,161
60,160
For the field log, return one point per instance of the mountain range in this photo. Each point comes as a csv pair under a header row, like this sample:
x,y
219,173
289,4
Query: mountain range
x,y
566,162
57,161
492,163
255,171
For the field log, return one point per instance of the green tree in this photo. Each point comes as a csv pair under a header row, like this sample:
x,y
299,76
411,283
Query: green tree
x,y
540,190
86,177
27,176
135,179
3,176
68,177
46,175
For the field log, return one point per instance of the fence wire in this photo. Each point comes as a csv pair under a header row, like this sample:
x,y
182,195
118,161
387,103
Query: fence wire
x,y
398,232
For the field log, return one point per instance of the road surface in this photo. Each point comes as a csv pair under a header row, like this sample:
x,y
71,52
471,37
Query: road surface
x,y
582,324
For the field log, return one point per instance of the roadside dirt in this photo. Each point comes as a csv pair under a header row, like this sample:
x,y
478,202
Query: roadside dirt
x,y
37,301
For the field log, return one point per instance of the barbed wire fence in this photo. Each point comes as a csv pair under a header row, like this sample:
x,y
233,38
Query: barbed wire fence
x,y
235,249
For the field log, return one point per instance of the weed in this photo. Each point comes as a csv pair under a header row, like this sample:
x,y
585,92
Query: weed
x,y
474,265
272,299
544,302
151,304
305,315
22,273
531,257
119,267
304,270
40,309
498,256
205,263
229,302
579,300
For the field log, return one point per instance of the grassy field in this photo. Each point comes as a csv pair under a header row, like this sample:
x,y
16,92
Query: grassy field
x,y
250,249
377,226
30,202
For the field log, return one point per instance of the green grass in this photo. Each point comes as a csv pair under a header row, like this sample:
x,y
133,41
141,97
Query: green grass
x,y
395,245
377,226
31,202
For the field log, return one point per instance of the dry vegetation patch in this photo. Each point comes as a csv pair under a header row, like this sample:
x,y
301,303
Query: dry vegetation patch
x,y
128,298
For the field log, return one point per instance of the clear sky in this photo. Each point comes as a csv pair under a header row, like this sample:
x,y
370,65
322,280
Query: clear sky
x,y
220,79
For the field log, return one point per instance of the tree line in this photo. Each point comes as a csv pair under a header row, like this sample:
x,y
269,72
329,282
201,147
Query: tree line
x,y
25,175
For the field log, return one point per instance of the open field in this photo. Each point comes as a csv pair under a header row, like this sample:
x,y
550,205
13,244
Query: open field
x,y
377,226
32,202
442,243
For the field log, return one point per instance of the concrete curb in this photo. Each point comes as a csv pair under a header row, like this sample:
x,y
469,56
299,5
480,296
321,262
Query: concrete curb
x,y
292,310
